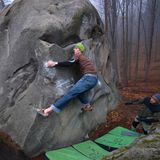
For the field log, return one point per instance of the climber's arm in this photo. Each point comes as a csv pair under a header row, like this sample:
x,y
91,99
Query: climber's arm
x,y
135,102
68,63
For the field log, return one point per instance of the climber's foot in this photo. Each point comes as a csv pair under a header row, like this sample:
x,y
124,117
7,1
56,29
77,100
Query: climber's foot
x,y
88,107
41,112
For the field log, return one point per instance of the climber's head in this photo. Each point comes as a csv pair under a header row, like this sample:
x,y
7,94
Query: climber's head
x,y
78,50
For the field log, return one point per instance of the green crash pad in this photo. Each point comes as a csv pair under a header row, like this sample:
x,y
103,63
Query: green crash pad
x,y
91,150
120,131
88,150
68,153
118,137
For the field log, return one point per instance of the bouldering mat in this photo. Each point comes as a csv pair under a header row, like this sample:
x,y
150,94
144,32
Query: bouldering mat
x,y
117,138
91,150
68,153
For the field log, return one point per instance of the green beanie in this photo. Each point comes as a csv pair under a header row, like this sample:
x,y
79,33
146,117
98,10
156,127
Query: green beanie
x,y
80,46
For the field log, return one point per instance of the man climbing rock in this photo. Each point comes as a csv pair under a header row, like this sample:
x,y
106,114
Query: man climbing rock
x,y
148,115
87,81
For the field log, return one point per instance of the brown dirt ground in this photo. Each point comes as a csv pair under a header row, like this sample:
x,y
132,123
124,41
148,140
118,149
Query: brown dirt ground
x,y
123,115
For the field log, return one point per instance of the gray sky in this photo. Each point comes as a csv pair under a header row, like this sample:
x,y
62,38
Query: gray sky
x,y
99,5
8,2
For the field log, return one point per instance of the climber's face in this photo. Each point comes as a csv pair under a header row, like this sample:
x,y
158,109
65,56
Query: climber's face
x,y
76,53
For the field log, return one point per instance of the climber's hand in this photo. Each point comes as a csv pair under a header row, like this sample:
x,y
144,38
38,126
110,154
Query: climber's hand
x,y
51,63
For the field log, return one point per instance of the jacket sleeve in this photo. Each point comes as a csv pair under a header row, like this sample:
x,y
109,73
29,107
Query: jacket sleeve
x,y
135,102
66,63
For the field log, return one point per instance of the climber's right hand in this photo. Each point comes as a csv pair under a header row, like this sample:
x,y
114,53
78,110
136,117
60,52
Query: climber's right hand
x,y
51,63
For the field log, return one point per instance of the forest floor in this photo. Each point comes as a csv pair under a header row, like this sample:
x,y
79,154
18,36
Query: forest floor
x,y
123,115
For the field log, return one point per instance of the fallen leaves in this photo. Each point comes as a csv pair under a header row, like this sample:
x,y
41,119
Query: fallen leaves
x,y
124,115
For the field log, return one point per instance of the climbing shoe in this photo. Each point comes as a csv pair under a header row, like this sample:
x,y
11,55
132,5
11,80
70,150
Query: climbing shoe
x,y
87,108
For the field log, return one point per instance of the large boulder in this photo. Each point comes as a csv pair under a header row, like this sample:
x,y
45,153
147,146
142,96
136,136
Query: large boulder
x,y
32,32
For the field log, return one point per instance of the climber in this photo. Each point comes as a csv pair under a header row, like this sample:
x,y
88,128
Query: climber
x,y
148,115
86,82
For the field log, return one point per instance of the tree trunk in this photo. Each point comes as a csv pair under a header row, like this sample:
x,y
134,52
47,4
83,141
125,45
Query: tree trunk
x,y
106,16
151,33
112,32
2,4
126,45
130,42
123,44
138,41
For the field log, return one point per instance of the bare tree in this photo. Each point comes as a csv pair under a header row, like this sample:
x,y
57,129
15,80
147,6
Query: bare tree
x,y
106,8
138,17
126,43
130,40
2,5
112,31
138,39
152,5
124,56
156,43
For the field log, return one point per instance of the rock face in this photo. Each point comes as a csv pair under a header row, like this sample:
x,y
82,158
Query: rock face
x,y
32,32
